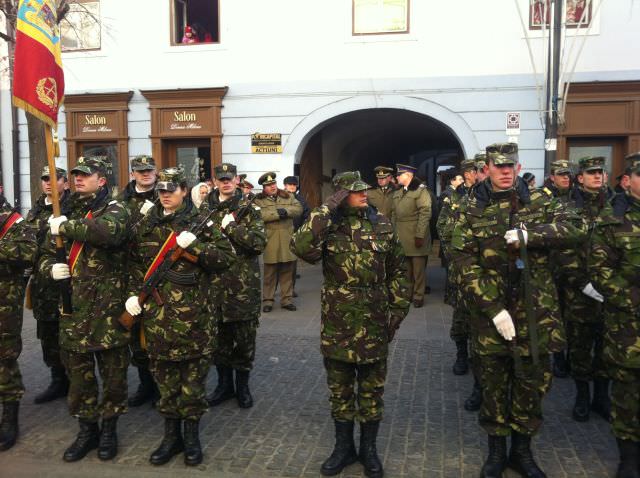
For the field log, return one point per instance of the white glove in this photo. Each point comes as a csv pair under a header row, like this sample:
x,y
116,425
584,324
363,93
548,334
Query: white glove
x,y
60,271
590,291
185,238
146,207
54,223
512,236
504,324
226,220
133,306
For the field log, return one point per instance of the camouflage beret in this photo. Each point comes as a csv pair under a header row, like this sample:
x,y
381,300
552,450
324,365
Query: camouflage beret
x,y
267,178
170,178
591,163
507,150
633,162
383,171
560,166
499,159
61,173
92,164
225,171
142,162
481,160
349,180
467,164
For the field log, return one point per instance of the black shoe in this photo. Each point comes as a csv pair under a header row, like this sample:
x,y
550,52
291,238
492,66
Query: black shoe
x,y
601,403
629,466
581,407
418,304
368,453
560,365
427,289
108,443
224,390
171,445
496,461
294,294
245,400
461,366
192,447
267,308
344,451
297,276
290,307
58,388
9,425
87,440
473,403
146,390
521,459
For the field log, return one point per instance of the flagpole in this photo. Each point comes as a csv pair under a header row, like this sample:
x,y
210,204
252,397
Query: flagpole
x,y
61,253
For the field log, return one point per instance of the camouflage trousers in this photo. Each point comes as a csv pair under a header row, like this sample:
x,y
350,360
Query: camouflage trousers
x,y
512,401
84,397
236,345
48,332
11,388
625,403
139,356
459,325
182,387
341,378
585,344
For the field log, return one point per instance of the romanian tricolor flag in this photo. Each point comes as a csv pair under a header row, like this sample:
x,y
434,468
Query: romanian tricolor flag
x,y
38,79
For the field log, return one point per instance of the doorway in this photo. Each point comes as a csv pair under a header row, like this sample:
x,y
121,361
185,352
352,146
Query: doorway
x,y
117,176
194,155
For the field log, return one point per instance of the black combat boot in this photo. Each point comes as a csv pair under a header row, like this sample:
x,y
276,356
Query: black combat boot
x,y
192,447
58,388
224,391
368,453
245,400
146,390
87,440
108,443
521,459
581,408
473,403
171,445
601,403
560,365
461,366
9,425
344,451
629,466
496,462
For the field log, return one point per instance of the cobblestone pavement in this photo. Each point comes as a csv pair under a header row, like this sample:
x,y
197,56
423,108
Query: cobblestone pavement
x,y
289,432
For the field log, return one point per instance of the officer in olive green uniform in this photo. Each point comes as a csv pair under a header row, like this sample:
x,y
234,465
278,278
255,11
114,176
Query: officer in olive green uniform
x,y
18,249
278,209
139,197
235,293
44,291
615,270
95,231
180,331
411,213
364,299
381,197
516,318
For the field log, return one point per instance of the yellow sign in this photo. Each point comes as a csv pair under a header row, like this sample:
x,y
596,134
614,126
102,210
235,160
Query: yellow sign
x,y
269,143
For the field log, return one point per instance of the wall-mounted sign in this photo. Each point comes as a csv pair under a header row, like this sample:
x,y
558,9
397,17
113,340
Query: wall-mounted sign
x,y
184,120
513,124
266,143
97,124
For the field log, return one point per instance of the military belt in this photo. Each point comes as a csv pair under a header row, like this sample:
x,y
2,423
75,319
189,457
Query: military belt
x,y
181,278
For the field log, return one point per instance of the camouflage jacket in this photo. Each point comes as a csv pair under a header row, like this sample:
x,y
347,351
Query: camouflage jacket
x,y
18,248
45,292
279,230
364,280
133,201
185,326
97,280
236,291
480,252
451,200
615,271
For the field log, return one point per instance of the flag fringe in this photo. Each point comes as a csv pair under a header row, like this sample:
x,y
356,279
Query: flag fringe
x,y
20,103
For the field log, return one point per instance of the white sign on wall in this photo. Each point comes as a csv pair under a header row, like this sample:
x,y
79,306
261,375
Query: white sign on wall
x,y
513,124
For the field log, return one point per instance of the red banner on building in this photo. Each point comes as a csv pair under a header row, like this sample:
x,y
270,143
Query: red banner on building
x,y
38,79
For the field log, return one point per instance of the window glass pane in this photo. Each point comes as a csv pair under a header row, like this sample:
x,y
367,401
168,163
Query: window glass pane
x,y
196,162
577,13
110,151
380,16
577,152
195,21
80,28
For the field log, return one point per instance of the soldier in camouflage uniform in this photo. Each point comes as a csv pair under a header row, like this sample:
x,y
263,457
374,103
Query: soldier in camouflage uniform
x,y
364,298
139,197
18,248
44,291
381,197
95,229
582,302
516,321
614,266
235,293
179,334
